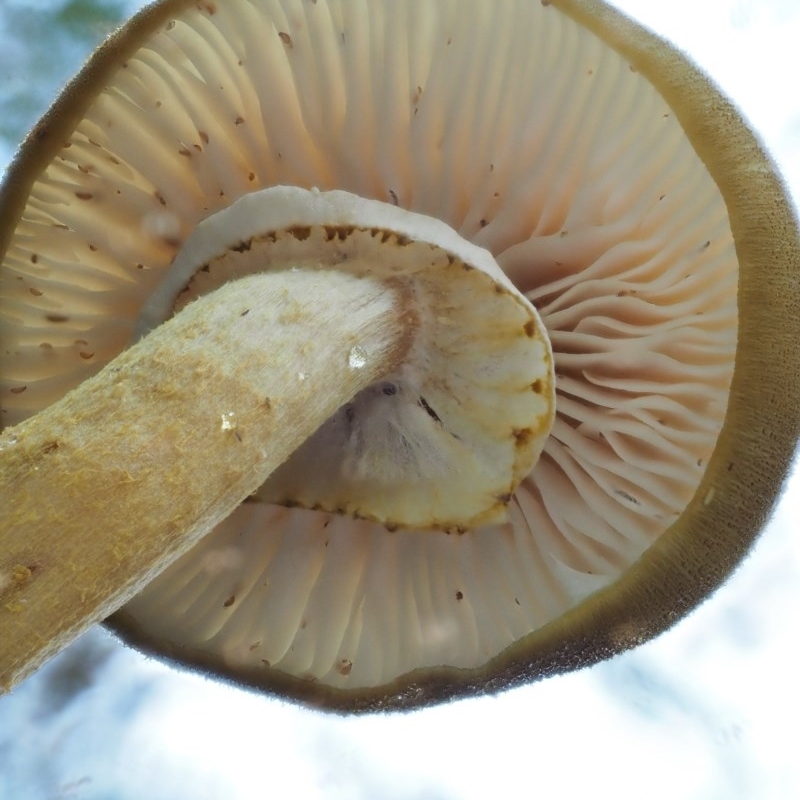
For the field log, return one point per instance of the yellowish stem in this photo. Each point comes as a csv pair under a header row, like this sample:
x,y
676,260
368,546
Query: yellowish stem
x,y
104,489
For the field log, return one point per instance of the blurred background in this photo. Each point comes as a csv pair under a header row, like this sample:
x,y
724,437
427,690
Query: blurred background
x,y
709,711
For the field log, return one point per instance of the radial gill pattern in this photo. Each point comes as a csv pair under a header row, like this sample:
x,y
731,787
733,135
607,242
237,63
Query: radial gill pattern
x,y
535,141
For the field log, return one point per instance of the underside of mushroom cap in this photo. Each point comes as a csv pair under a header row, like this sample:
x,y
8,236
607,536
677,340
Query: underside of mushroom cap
x,y
615,187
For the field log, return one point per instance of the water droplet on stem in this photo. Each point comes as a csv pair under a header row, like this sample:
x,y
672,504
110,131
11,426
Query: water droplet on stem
x,y
228,421
357,358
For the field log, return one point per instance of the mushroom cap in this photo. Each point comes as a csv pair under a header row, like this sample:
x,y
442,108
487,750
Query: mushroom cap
x,y
616,188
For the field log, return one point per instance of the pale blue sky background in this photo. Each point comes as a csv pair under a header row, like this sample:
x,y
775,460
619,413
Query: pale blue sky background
x,y
708,712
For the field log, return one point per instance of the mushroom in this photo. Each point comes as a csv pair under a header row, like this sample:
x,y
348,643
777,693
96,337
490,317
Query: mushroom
x,y
615,188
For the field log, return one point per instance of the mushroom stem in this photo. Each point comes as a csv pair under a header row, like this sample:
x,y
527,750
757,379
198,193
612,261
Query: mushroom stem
x,y
104,489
